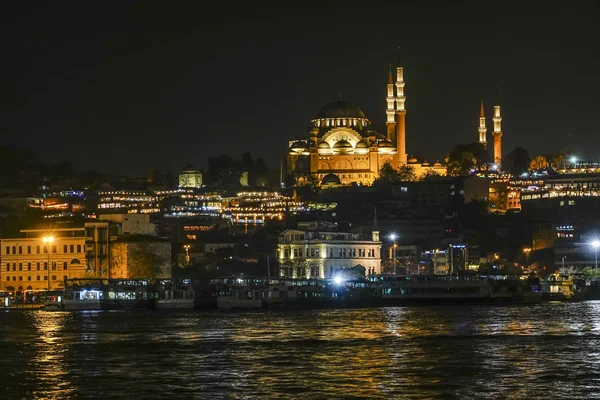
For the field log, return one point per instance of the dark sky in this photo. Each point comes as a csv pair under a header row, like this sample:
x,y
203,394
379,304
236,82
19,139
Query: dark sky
x,y
132,86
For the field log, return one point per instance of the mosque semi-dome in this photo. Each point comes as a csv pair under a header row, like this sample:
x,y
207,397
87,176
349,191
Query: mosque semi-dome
x,y
340,109
324,145
330,179
342,144
299,145
385,144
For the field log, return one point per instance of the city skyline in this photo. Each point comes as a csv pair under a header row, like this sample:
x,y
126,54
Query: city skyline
x,y
156,87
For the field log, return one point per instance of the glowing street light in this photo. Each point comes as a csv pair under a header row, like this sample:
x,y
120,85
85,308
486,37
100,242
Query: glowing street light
x,y
393,236
187,253
527,250
48,240
596,244
573,160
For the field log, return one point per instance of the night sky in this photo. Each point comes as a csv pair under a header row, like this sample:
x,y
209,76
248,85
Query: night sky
x,y
134,86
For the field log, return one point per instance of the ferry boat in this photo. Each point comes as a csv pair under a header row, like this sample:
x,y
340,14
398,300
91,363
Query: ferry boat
x,y
82,299
420,288
389,289
174,295
260,292
559,287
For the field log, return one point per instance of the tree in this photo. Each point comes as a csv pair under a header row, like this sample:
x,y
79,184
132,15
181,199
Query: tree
x,y
387,174
145,261
517,161
540,162
463,159
406,173
430,175
556,160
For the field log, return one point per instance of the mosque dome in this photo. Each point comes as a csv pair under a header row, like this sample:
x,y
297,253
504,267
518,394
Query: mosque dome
x,y
413,160
362,144
437,164
330,179
385,144
190,168
340,109
324,145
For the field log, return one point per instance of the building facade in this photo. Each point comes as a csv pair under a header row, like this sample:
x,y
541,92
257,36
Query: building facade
x,y
42,259
315,254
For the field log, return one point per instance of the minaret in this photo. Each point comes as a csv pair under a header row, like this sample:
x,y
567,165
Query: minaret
x,y
482,129
400,117
389,111
497,132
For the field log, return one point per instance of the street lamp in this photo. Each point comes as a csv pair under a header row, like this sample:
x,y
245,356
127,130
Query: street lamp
x,y
48,240
526,250
596,245
187,253
393,236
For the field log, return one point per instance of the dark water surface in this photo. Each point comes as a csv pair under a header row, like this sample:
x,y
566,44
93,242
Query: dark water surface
x,y
550,350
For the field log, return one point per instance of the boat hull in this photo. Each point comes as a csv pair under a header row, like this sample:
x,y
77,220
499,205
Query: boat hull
x,y
71,305
229,303
170,304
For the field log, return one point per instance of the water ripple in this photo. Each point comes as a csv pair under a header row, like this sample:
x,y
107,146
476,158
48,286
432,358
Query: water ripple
x,y
549,350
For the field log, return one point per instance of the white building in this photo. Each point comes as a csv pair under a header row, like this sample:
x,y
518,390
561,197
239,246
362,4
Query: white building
x,y
315,254
130,224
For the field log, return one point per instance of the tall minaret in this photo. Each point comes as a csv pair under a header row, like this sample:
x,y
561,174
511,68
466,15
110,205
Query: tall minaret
x,y
389,111
400,117
497,132
482,129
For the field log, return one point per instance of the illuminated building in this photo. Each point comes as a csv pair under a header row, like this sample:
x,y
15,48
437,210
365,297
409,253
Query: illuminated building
x,y
189,177
128,201
42,259
258,207
320,254
186,203
341,147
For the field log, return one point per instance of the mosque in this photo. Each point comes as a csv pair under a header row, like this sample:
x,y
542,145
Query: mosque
x,y
342,149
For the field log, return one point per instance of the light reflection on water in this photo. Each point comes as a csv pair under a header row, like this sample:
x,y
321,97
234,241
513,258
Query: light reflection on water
x,y
466,352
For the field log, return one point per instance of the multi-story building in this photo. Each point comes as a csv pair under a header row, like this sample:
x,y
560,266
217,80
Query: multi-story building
x,y
127,201
315,254
258,207
42,259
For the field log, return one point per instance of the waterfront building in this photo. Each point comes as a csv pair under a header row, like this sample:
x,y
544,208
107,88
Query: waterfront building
x,y
322,254
42,259
342,148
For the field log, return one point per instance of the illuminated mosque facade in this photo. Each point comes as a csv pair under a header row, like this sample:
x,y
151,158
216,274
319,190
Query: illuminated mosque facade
x,y
342,149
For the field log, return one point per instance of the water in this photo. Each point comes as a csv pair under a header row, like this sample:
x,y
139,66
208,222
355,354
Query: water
x,y
551,350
